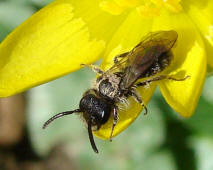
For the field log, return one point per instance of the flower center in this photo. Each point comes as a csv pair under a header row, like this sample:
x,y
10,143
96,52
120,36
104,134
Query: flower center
x,y
146,8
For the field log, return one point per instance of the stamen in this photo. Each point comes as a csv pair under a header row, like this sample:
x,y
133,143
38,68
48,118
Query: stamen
x,y
111,7
148,11
171,5
146,8
128,3
116,7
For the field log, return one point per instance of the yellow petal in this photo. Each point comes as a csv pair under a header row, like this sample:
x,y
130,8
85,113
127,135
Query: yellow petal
x,y
100,23
189,58
201,12
51,43
126,37
111,7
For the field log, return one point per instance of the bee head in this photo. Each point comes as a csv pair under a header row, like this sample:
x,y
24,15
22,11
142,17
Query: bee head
x,y
95,109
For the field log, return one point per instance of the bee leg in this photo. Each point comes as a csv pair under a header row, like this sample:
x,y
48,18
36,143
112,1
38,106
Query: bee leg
x,y
94,68
136,96
158,78
177,79
119,56
115,120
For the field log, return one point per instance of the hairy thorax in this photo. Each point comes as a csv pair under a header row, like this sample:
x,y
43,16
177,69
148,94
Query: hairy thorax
x,y
108,86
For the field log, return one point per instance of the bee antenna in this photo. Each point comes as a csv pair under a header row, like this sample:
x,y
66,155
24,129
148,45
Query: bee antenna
x,y
58,116
92,142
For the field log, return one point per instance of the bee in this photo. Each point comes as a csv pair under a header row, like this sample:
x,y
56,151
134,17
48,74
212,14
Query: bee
x,y
132,69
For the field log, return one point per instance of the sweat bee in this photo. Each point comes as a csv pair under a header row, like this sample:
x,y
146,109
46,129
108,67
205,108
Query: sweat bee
x,y
115,85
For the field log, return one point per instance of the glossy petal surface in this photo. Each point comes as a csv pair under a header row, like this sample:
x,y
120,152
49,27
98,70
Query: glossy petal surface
x,y
189,60
201,12
50,44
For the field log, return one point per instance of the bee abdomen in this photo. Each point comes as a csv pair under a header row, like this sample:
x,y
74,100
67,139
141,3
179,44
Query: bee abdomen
x,y
159,64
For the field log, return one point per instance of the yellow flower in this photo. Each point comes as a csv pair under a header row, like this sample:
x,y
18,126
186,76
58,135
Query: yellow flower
x,y
66,33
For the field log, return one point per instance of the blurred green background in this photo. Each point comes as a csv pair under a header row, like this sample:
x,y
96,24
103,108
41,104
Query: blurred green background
x,y
162,140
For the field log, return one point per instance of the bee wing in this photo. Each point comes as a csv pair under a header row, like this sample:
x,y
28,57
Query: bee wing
x,y
128,58
141,58
121,64
166,38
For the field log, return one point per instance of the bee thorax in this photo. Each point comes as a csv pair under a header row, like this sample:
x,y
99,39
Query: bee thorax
x,y
109,86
